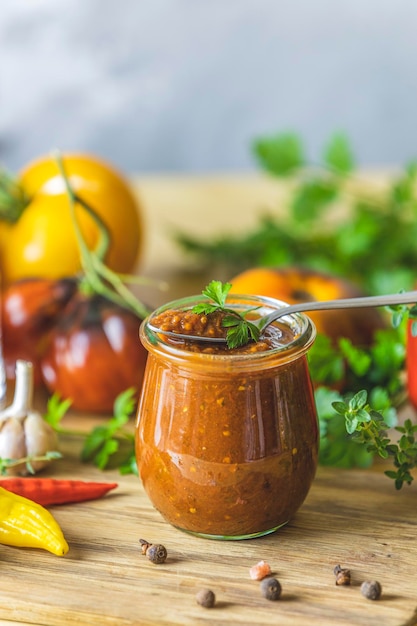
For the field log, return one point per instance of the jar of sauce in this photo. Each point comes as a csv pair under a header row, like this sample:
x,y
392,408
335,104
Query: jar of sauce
x,y
227,439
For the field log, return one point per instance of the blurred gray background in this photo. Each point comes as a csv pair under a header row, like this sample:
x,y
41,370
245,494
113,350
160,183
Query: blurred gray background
x,y
186,85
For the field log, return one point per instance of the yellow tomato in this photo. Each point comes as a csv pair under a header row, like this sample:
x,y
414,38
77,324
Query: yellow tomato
x,y
42,242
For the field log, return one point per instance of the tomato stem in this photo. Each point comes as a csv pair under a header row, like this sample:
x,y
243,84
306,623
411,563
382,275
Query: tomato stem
x,y
97,276
13,199
104,240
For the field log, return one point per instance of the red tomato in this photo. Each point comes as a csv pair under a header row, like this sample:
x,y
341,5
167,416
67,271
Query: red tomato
x,y
94,353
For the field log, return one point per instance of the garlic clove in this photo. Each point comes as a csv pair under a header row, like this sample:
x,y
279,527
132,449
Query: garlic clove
x,y
13,444
40,438
24,434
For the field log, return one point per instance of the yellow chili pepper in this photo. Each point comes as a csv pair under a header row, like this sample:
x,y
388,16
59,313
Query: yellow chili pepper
x,y
26,524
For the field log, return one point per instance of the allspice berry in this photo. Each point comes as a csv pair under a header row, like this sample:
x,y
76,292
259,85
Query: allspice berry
x,y
271,588
206,598
371,589
156,552
342,575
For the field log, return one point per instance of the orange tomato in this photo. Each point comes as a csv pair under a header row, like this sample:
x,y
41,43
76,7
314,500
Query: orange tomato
x,y
295,284
42,243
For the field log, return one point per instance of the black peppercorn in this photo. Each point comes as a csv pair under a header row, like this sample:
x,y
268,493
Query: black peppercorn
x,y
206,598
271,588
371,589
342,575
155,552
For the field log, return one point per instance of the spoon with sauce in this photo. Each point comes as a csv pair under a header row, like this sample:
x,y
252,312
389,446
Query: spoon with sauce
x,y
406,297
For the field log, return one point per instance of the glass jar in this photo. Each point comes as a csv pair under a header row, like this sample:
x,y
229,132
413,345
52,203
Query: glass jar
x,y
227,440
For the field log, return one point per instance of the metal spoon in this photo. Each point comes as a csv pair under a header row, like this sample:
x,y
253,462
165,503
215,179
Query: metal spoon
x,y
406,297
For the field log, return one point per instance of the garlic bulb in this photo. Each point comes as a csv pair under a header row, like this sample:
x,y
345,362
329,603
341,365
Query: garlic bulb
x,y
24,434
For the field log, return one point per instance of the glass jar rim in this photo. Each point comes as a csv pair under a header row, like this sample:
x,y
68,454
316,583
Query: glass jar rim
x,y
300,325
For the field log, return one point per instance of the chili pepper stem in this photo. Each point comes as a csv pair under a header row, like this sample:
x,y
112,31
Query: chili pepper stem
x,y
23,394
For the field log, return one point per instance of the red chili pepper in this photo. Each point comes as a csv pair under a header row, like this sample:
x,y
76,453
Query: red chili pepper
x,y
411,364
47,491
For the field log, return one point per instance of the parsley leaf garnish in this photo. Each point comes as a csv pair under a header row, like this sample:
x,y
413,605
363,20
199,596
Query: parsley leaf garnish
x,y
239,330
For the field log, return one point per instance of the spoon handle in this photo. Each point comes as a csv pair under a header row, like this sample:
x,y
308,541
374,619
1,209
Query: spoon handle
x,y
406,297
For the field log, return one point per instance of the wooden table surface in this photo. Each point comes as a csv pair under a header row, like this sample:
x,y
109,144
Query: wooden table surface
x,y
351,517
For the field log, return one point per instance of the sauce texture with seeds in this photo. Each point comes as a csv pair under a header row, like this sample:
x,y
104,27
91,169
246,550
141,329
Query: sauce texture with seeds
x,y
210,325
189,323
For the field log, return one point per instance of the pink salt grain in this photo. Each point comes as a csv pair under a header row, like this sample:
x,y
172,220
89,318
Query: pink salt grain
x,y
260,571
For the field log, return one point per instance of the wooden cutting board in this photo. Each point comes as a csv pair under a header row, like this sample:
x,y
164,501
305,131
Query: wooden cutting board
x,y
355,518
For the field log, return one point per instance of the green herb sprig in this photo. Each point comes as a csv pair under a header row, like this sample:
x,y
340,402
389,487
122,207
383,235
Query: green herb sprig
x,y
358,426
369,429
105,441
7,464
239,330
110,444
310,231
